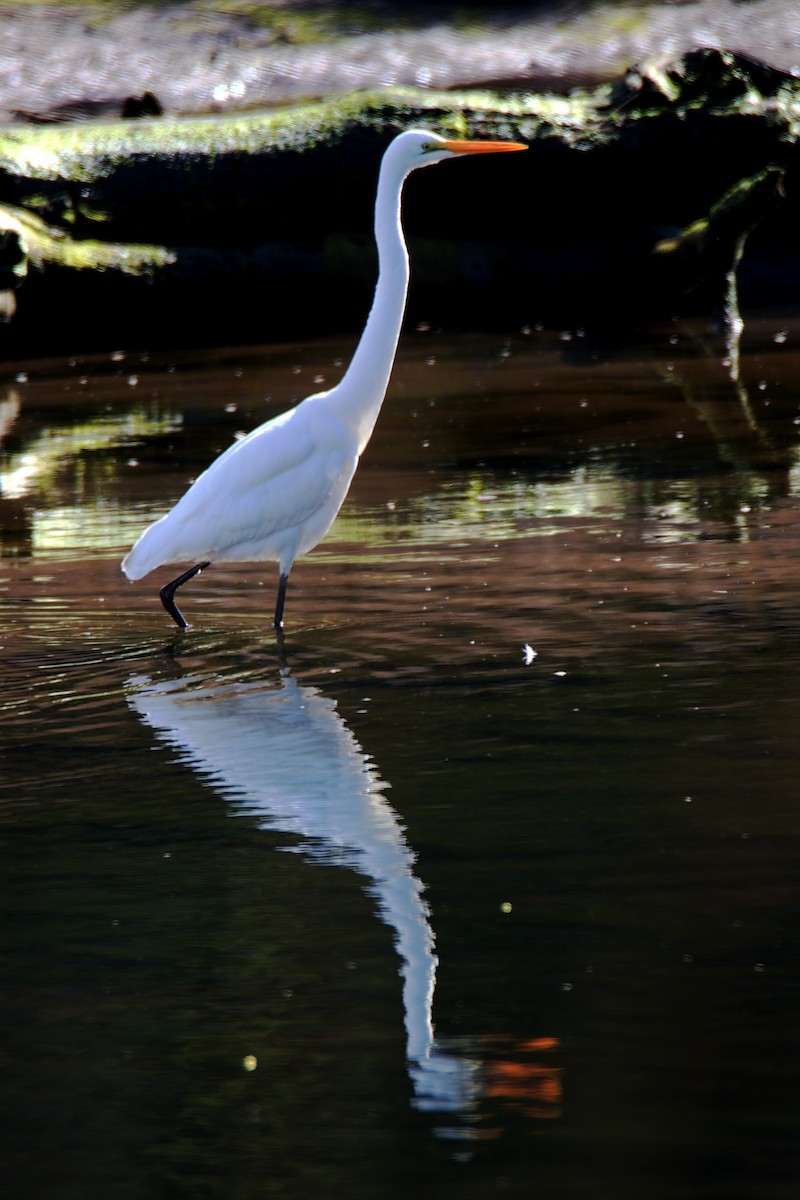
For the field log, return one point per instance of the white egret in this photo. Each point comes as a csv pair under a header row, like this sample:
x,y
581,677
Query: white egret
x,y
274,494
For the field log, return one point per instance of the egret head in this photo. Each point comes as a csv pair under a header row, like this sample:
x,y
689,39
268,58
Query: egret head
x,y
420,147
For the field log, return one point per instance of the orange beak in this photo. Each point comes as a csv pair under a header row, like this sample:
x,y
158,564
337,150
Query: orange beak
x,y
483,147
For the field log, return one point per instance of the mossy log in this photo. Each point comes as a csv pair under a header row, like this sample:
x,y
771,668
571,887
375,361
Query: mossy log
x,y
259,225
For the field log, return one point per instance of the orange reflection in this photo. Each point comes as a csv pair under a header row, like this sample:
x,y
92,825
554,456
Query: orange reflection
x,y
525,1080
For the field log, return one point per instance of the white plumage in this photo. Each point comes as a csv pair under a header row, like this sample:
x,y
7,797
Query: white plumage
x,y
259,499
274,494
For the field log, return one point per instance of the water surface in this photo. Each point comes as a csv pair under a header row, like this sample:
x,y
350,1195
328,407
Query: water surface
x,y
488,882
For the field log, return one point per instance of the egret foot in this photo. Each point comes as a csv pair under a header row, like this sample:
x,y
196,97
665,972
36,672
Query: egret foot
x,y
168,591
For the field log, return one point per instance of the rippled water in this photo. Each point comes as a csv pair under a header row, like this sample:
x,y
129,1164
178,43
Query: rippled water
x,y
489,882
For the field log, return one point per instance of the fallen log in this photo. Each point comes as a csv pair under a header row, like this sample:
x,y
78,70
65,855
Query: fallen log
x,y
258,225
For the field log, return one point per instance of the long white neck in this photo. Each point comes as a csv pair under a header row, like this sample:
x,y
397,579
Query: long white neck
x,y
358,397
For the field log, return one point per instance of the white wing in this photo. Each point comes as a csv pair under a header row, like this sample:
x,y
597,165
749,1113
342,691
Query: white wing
x,y
273,493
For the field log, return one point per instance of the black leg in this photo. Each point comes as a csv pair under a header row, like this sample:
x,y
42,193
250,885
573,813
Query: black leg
x,y
278,622
169,589
280,646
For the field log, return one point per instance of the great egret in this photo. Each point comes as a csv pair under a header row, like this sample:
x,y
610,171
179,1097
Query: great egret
x,y
274,494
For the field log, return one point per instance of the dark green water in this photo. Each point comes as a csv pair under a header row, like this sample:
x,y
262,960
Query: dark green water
x,y
224,870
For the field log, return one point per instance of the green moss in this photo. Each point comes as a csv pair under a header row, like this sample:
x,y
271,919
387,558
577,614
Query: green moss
x,y
91,151
92,14
731,218
44,245
10,5
308,24
299,24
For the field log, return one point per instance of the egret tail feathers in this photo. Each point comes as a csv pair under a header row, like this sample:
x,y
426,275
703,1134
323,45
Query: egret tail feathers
x,y
147,553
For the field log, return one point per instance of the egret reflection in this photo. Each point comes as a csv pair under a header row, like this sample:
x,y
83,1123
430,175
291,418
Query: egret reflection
x,y
284,753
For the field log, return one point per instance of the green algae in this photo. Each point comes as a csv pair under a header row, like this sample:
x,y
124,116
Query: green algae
x,y
90,151
42,245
